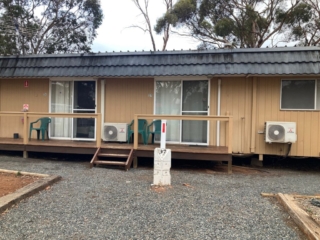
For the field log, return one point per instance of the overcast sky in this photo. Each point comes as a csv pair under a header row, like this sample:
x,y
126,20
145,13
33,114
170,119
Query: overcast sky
x,y
116,35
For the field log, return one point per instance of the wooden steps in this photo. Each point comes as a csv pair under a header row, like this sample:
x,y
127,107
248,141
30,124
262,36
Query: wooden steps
x,y
115,155
107,157
110,162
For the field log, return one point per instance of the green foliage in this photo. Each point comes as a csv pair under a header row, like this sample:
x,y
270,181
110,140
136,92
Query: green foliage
x,y
7,45
161,22
303,22
247,23
300,14
297,31
183,10
48,26
224,27
214,9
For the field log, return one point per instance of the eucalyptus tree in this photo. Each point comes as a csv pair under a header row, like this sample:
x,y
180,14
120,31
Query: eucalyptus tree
x,y
147,27
48,26
237,23
304,23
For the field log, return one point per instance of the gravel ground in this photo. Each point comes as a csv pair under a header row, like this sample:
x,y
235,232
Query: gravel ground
x,y
103,203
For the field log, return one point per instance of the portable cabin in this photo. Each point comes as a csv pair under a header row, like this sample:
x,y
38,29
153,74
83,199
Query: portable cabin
x,y
218,103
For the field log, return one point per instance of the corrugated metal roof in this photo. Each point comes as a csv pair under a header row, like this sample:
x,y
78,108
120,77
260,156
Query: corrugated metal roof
x,y
262,61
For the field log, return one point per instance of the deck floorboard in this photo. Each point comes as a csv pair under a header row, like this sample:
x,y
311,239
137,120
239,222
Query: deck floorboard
x,y
87,147
179,151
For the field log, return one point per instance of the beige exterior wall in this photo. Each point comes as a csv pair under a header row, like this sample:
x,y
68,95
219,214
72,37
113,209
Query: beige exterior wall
x,y
126,97
268,109
236,100
13,95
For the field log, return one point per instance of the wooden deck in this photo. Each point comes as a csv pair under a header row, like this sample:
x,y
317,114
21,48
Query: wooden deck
x,y
54,146
185,152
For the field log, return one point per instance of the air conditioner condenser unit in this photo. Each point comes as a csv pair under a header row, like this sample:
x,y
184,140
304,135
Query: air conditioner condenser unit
x,y
115,132
280,132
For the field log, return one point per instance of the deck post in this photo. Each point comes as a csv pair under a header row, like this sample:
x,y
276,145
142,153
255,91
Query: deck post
x,y
229,125
230,165
25,128
227,131
230,130
135,130
98,130
135,162
25,154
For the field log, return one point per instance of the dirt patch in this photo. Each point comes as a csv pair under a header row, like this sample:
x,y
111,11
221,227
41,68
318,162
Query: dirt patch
x,y
223,169
239,169
11,182
309,208
160,189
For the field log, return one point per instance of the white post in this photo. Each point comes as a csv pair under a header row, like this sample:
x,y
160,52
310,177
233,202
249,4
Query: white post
x,y
102,102
162,160
163,134
218,111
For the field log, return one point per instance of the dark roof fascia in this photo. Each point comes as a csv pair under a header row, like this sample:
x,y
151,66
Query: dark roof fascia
x,y
209,76
182,52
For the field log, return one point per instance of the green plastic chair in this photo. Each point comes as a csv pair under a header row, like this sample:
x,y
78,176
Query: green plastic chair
x,y
142,123
156,129
44,125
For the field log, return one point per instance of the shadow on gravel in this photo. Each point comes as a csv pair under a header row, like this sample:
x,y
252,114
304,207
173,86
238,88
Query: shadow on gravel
x,y
269,162
277,162
51,156
208,167
297,164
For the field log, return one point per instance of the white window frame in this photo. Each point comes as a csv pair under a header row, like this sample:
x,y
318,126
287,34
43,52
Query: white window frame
x,y
315,95
72,102
181,79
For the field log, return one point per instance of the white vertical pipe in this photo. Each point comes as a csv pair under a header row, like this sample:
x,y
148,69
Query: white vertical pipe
x,y
218,111
102,103
163,134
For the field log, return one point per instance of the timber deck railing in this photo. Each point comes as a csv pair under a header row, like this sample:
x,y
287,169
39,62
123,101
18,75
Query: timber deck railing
x,y
27,115
227,119
97,116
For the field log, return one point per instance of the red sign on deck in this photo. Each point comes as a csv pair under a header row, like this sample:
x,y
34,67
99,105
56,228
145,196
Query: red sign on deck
x,y
26,83
163,134
163,127
25,107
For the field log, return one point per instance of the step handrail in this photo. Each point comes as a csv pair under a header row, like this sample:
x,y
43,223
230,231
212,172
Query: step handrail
x,y
129,160
94,158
